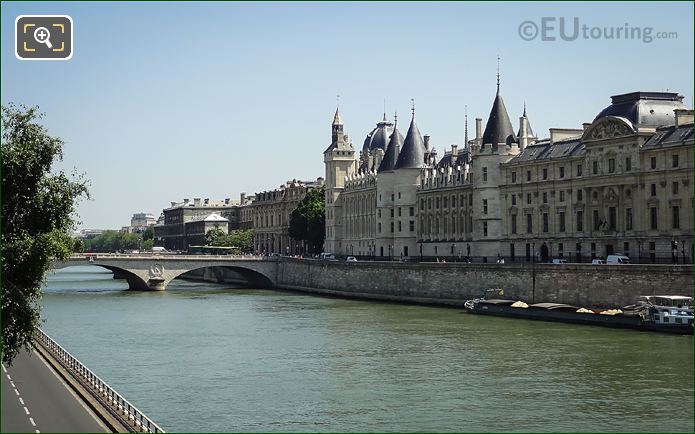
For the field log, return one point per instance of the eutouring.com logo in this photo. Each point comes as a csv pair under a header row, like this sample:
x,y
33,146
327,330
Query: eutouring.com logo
x,y
551,29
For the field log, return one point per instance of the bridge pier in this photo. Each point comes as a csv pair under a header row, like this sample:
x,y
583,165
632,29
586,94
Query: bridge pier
x,y
156,284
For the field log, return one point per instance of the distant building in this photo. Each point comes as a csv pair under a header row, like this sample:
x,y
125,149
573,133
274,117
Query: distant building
x,y
175,232
270,214
141,220
622,183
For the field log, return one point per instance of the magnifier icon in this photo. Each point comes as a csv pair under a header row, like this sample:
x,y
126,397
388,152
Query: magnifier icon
x,y
43,36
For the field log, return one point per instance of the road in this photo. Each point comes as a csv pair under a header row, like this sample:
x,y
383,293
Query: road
x,y
35,399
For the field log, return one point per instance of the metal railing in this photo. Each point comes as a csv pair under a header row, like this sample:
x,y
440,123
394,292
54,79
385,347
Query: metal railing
x,y
134,419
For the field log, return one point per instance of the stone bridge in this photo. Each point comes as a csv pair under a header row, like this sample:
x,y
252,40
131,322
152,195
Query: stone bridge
x,y
154,272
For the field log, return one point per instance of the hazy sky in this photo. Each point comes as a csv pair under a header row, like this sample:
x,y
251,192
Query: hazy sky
x,y
165,101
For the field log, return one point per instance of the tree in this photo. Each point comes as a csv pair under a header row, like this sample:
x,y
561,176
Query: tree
x,y
241,238
38,211
215,237
147,245
308,220
148,233
77,245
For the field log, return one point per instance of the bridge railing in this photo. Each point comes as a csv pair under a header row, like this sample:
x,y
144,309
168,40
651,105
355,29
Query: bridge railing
x,y
105,394
87,257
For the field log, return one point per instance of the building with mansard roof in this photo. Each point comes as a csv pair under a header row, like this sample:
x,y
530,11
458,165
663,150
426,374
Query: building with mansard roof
x,y
620,184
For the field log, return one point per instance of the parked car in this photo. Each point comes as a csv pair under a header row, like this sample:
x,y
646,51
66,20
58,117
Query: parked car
x,y
351,259
617,259
326,255
598,262
559,261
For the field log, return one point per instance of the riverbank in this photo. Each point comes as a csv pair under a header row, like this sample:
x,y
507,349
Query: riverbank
x,y
451,284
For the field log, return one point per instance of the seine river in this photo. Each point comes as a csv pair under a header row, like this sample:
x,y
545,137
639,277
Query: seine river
x,y
201,357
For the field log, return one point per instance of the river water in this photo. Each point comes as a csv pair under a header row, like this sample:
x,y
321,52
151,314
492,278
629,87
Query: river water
x,y
205,357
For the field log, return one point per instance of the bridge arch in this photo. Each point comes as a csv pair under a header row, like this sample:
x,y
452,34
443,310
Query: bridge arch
x,y
252,277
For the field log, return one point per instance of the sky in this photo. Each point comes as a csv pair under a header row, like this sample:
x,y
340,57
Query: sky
x,y
164,101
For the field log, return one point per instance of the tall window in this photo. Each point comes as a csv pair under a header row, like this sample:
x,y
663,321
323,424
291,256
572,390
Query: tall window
x,y
484,206
562,221
628,219
391,226
562,195
545,197
545,222
594,167
653,218
653,189
580,194
675,217
528,198
529,224
580,221
597,221
652,162
579,170
513,223
562,171
514,199
528,175
513,176
485,229
400,226
674,160
484,174
545,173
628,164
674,187
611,165
611,218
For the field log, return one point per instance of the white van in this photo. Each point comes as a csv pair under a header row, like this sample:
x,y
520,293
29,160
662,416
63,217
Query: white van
x,y
158,249
598,262
617,259
559,261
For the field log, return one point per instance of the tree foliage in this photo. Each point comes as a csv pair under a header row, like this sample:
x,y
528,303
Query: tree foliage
x,y
113,241
148,233
308,220
240,238
38,208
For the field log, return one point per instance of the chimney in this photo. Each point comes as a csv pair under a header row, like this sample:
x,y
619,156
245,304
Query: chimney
x,y
683,117
173,204
478,130
427,141
226,201
454,154
196,201
242,198
523,132
586,125
185,201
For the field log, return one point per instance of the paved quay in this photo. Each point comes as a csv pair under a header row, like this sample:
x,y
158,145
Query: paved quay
x,y
35,399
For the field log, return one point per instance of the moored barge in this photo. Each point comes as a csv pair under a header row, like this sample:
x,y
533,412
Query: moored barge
x,y
663,313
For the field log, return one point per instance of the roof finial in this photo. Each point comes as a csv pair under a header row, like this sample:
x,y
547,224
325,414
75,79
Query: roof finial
x,y
337,101
498,73
465,134
384,109
412,106
395,119
524,115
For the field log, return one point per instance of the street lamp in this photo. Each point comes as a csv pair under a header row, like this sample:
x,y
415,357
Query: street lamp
x,y
420,250
390,255
639,251
674,252
683,251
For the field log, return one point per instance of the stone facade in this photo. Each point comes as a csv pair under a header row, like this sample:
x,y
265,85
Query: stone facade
x,y
270,214
172,232
620,184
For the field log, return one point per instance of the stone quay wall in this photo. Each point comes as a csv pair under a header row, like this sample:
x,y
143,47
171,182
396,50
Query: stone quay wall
x,y
451,284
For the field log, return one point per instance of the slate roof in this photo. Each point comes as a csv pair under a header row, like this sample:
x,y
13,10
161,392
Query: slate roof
x,y
461,158
645,109
412,155
392,149
543,150
670,136
498,128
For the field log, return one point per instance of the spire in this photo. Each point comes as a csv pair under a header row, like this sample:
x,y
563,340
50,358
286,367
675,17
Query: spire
x,y
465,130
384,109
393,148
498,73
529,131
336,119
412,155
499,128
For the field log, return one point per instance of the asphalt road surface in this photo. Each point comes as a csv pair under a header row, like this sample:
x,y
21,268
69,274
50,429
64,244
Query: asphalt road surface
x,y
35,399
